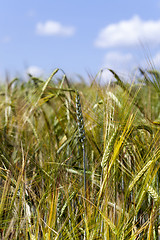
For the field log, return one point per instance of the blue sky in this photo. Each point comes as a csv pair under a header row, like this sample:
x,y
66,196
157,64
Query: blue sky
x,y
78,36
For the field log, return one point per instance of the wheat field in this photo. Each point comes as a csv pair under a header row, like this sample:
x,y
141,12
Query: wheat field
x,y
80,161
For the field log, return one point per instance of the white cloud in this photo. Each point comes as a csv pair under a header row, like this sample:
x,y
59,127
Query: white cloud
x,y
34,71
121,63
50,28
129,33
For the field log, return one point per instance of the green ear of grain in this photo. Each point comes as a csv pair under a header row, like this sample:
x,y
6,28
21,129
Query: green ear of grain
x,y
139,175
47,82
109,148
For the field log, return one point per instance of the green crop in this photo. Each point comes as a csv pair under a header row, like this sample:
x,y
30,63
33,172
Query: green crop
x,y
80,161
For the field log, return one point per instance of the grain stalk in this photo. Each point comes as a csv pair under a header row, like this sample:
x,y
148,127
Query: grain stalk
x,y
81,130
